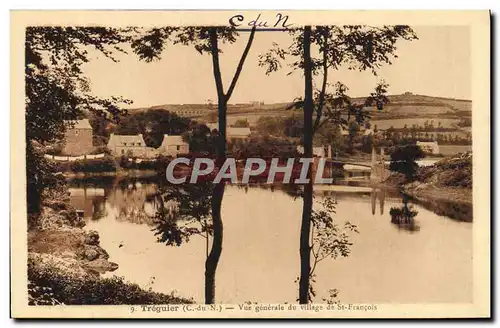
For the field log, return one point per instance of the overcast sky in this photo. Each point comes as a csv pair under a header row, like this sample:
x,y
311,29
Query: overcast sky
x,y
438,64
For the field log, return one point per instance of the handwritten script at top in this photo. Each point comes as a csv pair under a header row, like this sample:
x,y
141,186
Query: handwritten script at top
x,y
279,22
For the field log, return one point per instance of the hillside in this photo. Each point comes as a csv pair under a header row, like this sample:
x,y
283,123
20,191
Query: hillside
x,y
400,106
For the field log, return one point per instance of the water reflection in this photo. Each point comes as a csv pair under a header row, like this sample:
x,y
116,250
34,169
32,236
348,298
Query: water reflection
x,y
261,231
378,193
404,217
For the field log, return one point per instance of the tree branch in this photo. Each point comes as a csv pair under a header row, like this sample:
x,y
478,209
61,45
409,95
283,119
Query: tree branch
x,y
240,65
319,110
214,47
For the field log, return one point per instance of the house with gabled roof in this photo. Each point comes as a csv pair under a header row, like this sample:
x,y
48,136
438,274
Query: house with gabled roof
x,y
173,146
78,137
130,145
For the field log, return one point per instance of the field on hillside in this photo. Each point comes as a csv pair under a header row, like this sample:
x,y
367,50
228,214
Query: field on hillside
x,y
449,150
400,123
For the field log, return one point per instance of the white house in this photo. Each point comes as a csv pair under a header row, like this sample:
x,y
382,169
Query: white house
x,y
431,147
173,146
130,145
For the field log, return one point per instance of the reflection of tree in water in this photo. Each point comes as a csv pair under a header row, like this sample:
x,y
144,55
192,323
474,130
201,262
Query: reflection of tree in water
x,y
184,210
99,208
404,217
290,189
135,215
130,200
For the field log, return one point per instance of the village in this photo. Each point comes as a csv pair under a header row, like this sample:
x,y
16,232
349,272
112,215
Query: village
x,y
79,145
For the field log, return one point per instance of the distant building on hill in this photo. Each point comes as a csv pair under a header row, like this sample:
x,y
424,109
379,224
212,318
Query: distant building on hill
x,y
431,147
232,134
173,146
78,138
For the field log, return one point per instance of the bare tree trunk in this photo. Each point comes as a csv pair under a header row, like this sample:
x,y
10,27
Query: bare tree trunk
x,y
305,251
218,193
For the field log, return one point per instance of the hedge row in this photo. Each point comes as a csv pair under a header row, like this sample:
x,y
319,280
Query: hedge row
x,y
105,164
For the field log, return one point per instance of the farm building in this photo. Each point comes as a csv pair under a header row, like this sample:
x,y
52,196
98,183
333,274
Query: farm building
x,y
130,145
232,134
429,147
173,146
78,138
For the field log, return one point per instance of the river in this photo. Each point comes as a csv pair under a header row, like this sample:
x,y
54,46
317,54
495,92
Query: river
x,y
427,261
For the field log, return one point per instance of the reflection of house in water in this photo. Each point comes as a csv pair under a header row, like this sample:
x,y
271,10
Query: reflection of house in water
x,y
89,200
132,202
379,194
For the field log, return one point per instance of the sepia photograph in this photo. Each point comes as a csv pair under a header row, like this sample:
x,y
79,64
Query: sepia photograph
x,y
250,164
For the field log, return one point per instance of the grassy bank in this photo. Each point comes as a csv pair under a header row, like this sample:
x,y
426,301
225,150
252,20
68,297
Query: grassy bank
x,y
447,180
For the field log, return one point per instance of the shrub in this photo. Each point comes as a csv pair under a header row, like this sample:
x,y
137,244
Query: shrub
x,y
157,164
49,285
105,164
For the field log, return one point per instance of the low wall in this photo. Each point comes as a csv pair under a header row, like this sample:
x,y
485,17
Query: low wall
x,y
72,158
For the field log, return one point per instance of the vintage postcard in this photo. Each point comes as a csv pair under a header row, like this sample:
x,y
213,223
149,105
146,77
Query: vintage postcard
x,y
250,164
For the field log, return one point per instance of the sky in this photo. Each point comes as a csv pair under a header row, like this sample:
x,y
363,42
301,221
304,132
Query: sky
x,y
437,64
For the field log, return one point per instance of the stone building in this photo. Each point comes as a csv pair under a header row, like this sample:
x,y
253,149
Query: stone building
x,y
130,145
78,138
173,146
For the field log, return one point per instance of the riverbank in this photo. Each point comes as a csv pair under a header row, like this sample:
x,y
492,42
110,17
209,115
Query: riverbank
x,y
447,180
444,187
123,173
65,262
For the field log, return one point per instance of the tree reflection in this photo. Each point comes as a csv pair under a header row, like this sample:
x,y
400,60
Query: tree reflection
x,y
404,216
183,211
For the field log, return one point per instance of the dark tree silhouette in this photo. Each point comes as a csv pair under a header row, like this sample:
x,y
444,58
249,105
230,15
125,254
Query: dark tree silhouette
x,y
57,90
356,46
403,160
149,46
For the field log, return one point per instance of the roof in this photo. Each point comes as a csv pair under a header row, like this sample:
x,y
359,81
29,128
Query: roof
x,y
79,124
125,140
231,131
172,141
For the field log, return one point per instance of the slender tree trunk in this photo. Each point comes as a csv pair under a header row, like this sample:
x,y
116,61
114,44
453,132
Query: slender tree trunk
x,y
218,193
305,251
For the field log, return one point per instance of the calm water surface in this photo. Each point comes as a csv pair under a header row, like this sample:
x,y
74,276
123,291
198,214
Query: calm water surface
x,y
427,261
